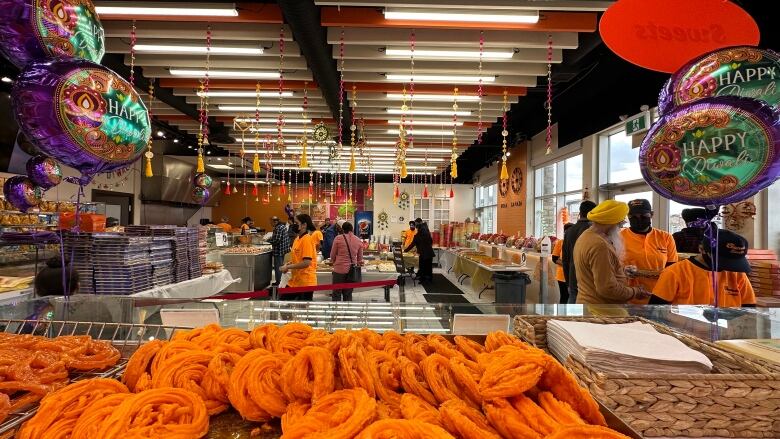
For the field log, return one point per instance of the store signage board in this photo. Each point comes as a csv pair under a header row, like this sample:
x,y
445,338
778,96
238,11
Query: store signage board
x,y
189,318
480,324
221,239
638,124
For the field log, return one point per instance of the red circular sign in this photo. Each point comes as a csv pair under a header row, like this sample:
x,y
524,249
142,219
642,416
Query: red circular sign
x,y
663,35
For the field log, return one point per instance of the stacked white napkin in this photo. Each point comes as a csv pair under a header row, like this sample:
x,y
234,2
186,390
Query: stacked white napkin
x,y
631,348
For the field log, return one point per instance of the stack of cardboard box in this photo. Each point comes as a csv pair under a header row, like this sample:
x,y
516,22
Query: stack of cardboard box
x,y
765,276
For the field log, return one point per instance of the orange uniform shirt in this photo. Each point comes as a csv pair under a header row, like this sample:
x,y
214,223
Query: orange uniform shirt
x,y
689,283
558,251
302,248
651,251
409,238
317,237
226,227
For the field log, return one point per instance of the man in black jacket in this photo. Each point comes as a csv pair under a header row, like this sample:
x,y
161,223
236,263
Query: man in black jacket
x,y
569,239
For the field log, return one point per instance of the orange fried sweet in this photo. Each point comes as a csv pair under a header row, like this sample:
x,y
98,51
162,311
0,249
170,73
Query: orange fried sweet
x,y
510,373
187,370
261,337
508,421
309,375
294,413
416,347
403,429
5,406
466,422
290,338
354,369
59,411
442,346
386,375
340,415
443,385
468,347
261,377
467,374
559,410
413,381
165,413
564,387
217,378
139,363
415,408
535,416
89,423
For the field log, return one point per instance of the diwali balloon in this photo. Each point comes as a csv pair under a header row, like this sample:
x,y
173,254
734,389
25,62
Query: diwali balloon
x,y
22,193
712,152
44,172
200,195
203,180
733,71
34,30
82,114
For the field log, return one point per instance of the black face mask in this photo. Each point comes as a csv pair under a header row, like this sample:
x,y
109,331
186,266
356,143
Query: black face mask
x,y
640,225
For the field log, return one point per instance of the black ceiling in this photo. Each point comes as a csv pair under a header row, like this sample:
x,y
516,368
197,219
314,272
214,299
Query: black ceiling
x,y
592,87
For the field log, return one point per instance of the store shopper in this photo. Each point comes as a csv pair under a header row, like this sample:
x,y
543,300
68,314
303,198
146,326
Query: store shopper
x,y
559,276
225,225
567,251
600,276
689,282
303,260
247,225
690,238
280,244
647,250
328,235
409,236
317,237
347,252
424,244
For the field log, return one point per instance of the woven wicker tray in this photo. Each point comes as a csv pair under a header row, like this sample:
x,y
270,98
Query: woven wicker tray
x,y
739,399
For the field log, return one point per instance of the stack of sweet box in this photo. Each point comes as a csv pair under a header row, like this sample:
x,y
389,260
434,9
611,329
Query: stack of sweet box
x,y
765,276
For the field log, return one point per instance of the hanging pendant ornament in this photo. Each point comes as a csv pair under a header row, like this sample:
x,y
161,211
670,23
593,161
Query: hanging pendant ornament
x,y
548,138
227,188
454,156
254,189
203,133
304,163
149,155
504,133
338,187
479,87
256,126
311,185
352,129
280,117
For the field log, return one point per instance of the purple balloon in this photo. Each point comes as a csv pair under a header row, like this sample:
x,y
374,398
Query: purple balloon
x,y
44,172
82,114
33,30
200,195
22,193
203,180
713,152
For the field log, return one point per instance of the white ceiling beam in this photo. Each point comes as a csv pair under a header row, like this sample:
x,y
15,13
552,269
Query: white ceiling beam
x,y
196,30
533,5
374,53
160,72
451,38
507,80
221,63
443,67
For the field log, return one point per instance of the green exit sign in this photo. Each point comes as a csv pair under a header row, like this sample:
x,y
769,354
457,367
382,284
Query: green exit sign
x,y
638,124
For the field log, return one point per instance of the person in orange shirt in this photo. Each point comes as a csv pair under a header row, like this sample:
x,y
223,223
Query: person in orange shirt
x,y
559,276
409,237
303,260
647,250
689,282
224,225
317,237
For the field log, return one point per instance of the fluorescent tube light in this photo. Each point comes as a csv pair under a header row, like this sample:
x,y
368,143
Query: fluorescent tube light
x,y
421,112
471,16
225,74
458,79
430,123
273,109
167,8
245,94
178,49
219,166
424,132
433,97
435,53
271,120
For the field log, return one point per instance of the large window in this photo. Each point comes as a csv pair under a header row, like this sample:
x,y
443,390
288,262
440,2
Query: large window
x,y
557,186
626,197
622,159
486,203
434,211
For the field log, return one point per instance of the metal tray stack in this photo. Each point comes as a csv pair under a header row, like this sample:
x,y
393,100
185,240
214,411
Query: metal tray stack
x,y
202,247
193,253
122,264
161,257
181,271
78,248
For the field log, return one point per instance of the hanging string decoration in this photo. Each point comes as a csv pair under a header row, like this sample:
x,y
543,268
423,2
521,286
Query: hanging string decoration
x,y
504,134
280,116
548,137
304,163
149,155
352,129
203,133
479,87
256,125
454,156
341,107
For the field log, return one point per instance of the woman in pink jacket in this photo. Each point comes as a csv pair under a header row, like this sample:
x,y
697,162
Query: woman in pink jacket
x,y
347,251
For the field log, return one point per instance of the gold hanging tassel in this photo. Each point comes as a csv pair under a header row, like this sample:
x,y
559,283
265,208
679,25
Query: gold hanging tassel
x,y
256,164
403,168
504,173
352,162
304,161
148,172
201,166
454,170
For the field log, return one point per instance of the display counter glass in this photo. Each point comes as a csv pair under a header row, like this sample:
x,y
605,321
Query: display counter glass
x,y
700,321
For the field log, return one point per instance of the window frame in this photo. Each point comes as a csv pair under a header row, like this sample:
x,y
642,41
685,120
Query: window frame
x,y
560,182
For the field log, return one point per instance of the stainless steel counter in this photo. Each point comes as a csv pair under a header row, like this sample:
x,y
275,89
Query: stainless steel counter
x,y
254,271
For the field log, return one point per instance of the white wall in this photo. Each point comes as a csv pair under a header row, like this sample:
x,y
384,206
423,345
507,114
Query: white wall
x,y
69,191
463,203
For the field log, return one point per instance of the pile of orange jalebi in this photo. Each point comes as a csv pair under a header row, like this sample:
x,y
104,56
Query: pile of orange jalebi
x,y
342,385
32,366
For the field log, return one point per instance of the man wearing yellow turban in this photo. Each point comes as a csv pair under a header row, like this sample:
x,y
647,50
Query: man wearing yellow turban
x,y
600,276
